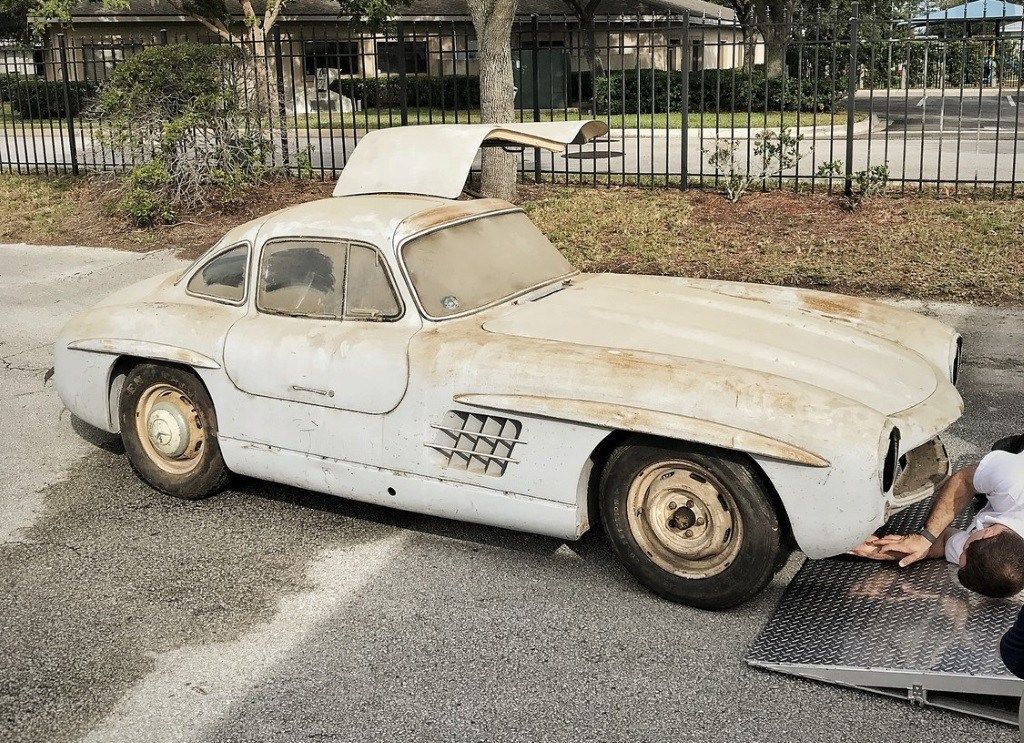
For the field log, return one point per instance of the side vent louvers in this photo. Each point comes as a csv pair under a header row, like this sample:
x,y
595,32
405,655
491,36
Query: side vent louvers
x,y
477,443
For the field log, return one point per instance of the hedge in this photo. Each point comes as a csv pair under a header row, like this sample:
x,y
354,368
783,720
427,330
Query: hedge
x,y
7,83
450,92
658,91
42,99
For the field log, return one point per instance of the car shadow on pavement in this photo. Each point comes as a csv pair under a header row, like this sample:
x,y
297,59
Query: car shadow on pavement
x,y
114,574
105,440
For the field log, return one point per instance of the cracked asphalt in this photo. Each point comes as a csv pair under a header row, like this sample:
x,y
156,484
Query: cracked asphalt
x,y
273,614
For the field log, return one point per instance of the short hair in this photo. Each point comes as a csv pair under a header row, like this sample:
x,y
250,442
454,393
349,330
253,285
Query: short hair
x,y
994,566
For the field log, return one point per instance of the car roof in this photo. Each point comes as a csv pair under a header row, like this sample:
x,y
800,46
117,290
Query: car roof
x,y
370,218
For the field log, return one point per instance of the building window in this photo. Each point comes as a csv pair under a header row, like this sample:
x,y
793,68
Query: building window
x,y
697,54
342,56
415,57
101,59
470,52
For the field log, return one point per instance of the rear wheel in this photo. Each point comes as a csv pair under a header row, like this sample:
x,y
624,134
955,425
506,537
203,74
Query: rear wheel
x,y
169,430
693,524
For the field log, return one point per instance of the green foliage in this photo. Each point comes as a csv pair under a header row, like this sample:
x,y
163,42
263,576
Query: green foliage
x,y
190,114
176,83
657,91
376,13
7,83
773,154
142,197
14,19
31,98
869,182
450,92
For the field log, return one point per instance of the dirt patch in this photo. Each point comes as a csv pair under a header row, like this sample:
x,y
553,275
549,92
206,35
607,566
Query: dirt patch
x,y
912,246
65,211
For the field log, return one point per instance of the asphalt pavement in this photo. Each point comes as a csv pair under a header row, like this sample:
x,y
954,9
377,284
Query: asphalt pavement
x,y
272,614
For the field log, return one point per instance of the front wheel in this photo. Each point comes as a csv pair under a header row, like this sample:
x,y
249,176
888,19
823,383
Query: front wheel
x,y
693,524
169,430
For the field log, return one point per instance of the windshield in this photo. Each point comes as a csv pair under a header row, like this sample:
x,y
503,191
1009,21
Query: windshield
x,y
477,263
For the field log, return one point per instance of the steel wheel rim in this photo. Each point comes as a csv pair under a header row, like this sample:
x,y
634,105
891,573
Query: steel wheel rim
x,y
170,428
684,519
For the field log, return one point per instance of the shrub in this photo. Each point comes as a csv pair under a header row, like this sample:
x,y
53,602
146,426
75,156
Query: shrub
x,y
190,116
42,99
658,91
7,83
450,92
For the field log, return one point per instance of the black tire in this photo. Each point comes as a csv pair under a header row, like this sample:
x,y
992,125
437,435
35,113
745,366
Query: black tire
x,y
745,514
200,471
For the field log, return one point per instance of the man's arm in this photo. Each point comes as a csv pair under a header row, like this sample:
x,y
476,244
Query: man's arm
x,y
953,497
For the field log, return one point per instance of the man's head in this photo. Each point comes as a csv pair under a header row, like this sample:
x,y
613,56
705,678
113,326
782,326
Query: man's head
x,y
992,563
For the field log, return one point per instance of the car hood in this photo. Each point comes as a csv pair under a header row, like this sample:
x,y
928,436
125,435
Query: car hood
x,y
794,334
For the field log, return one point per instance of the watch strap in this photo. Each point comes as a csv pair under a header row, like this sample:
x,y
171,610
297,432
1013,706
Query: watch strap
x,y
927,535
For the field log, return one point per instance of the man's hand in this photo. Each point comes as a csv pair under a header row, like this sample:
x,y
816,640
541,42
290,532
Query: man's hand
x,y
907,548
871,548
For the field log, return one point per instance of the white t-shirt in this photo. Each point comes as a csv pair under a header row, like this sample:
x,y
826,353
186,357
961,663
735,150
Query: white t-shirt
x,y
1000,475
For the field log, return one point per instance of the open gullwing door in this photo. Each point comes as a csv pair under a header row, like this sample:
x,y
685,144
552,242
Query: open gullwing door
x,y
435,159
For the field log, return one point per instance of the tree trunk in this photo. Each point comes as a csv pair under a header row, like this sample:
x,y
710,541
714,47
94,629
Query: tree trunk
x,y
492,20
749,47
775,45
593,58
775,22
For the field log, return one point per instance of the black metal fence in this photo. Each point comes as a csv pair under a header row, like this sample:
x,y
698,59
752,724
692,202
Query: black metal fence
x,y
821,102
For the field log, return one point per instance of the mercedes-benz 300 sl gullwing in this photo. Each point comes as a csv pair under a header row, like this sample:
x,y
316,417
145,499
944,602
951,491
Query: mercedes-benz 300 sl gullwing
x,y
401,345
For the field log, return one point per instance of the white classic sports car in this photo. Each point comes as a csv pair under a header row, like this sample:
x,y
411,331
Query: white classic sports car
x,y
398,345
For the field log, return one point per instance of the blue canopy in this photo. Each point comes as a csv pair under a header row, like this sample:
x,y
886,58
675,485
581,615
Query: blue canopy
x,y
976,10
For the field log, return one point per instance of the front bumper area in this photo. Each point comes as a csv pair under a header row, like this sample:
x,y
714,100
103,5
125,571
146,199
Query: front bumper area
x,y
922,470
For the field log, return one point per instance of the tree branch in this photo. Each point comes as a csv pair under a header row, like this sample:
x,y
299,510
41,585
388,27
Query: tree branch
x,y
215,26
270,16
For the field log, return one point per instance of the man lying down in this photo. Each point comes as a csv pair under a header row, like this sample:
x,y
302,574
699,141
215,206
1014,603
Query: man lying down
x,y
990,552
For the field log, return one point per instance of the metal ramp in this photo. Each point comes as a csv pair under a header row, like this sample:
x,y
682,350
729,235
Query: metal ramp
x,y
914,634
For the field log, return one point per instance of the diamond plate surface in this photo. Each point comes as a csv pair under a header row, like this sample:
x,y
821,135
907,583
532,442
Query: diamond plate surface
x,y
857,613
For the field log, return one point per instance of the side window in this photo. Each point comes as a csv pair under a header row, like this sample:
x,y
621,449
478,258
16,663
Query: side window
x,y
326,280
368,292
303,277
222,277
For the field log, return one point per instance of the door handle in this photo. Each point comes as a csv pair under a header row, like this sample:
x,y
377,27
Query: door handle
x,y
325,393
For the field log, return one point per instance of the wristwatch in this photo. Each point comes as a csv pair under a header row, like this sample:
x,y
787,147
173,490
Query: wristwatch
x,y
927,535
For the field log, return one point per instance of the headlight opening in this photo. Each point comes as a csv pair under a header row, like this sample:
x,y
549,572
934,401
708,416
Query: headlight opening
x,y
891,462
954,373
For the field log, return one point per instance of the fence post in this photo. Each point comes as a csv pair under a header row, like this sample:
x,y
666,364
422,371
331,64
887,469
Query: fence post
x,y
403,93
851,91
535,81
63,49
282,112
685,103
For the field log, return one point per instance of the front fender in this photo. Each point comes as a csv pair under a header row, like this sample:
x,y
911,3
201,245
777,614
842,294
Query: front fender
x,y
654,422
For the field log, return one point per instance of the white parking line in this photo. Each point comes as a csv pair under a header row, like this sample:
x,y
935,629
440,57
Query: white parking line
x,y
1009,99
192,688
920,103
